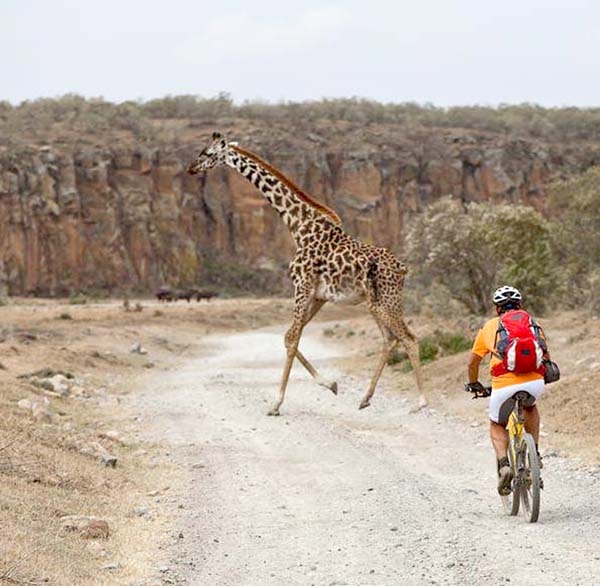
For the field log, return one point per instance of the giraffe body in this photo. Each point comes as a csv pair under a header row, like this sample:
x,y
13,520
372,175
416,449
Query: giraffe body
x,y
329,265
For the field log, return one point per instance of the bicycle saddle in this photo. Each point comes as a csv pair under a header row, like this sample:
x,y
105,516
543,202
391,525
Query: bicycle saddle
x,y
523,397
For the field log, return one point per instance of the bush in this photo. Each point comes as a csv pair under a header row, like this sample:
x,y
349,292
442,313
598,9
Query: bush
x,y
575,204
474,248
78,299
432,347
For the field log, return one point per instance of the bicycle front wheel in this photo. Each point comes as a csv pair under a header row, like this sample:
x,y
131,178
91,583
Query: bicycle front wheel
x,y
529,479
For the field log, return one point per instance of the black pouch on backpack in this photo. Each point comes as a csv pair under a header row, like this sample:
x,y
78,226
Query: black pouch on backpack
x,y
552,373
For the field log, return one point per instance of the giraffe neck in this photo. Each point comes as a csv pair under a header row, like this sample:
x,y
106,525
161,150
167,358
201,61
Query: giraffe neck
x,y
296,208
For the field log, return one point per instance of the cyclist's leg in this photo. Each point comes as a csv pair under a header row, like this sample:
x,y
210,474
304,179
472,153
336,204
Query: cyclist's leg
x,y
530,411
501,405
499,437
532,421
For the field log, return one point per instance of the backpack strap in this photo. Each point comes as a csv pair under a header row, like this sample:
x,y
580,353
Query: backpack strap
x,y
539,334
500,340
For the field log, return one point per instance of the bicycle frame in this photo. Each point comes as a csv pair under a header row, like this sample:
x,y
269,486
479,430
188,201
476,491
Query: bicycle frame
x,y
524,461
515,427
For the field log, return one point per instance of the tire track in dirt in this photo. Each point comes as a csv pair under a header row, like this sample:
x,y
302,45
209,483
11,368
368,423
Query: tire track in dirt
x,y
328,494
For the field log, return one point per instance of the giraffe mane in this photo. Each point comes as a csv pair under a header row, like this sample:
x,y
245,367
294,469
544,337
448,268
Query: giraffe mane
x,y
322,208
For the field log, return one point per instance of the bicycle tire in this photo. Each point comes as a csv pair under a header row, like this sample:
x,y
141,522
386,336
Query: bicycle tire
x,y
529,479
511,501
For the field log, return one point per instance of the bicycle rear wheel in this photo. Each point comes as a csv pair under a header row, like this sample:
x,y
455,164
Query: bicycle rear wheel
x,y
529,479
511,501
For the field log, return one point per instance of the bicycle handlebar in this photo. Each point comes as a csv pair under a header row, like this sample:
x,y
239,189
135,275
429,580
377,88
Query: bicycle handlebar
x,y
478,393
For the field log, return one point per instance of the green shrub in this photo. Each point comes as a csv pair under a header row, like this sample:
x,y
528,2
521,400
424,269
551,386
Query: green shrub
x,y
78,299
473,249
575,205
432,347
428,349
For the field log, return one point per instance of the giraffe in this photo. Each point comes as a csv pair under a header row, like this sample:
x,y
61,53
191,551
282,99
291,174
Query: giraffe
x,y
329,265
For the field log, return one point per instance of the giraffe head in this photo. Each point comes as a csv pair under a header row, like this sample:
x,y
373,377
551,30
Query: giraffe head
x,y
215,153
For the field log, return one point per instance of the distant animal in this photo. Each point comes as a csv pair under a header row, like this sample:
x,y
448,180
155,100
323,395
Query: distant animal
x,y
205,294
165,294
329,265
186,294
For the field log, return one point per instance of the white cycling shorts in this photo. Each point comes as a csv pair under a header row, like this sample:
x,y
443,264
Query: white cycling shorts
x,y
500,400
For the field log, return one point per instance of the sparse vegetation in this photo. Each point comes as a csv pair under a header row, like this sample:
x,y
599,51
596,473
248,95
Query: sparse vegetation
x,y
78,299
470,249
440,343
575,203
144,119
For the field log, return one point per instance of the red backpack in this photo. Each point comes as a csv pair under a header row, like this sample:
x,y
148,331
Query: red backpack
x,y
519,344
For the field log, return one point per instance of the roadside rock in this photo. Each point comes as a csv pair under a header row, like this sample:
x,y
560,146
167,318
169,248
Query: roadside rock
x,y
138,349
87,527
40,411
42,414
98,451
96,549
25,404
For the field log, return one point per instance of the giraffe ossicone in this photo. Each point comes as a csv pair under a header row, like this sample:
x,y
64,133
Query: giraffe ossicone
x,y
329,265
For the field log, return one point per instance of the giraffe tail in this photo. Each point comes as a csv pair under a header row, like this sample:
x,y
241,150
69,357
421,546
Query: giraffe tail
x,y
372,278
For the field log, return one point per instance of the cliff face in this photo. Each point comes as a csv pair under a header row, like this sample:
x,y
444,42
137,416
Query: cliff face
x,y
130,217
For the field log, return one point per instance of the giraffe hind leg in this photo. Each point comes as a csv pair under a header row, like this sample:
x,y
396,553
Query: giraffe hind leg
x,y
395,330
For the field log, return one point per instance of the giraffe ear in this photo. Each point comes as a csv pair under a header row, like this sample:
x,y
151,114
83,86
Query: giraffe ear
x,y
217,135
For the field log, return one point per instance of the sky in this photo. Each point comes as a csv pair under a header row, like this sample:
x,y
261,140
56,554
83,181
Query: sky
x,y
440,52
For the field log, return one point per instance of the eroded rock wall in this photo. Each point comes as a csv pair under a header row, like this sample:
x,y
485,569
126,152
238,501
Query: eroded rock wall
x,y
130,217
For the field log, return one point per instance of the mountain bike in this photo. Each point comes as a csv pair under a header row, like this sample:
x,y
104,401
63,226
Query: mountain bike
x,y
524,461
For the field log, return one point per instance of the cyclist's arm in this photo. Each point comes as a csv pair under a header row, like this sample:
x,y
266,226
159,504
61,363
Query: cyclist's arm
x,y
473,368
478,352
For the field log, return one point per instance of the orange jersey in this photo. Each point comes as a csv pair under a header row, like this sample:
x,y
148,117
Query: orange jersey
x,y
485,343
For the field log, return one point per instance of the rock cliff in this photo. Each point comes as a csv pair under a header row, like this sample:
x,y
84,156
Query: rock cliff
x,y
128,217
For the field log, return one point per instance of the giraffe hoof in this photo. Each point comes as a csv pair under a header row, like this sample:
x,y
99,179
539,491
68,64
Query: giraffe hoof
x,y
333,387
274,412
365,403
422,402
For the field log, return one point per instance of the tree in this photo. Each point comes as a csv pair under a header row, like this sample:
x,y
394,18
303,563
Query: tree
x,y
472,249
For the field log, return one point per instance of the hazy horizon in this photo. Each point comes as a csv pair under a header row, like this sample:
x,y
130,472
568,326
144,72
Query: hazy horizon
x,y
445,54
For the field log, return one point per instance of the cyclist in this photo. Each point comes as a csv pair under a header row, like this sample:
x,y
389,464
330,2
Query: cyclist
x,y
505,385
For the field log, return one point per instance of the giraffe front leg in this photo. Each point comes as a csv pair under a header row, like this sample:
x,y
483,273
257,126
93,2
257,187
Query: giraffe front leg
x,y
292,338
314,308
331,385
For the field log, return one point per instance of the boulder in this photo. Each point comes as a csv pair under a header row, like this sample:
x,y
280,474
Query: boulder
x,y
88,527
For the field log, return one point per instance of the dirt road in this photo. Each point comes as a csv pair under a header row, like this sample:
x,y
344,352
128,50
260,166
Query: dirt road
x,y
330,495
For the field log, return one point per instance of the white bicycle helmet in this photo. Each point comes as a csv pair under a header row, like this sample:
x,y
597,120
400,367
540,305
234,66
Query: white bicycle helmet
x,y
507,294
